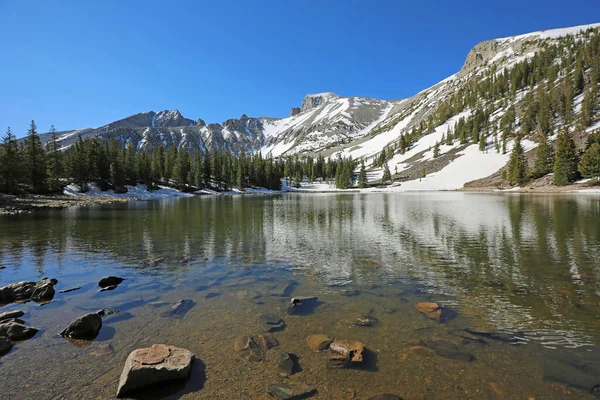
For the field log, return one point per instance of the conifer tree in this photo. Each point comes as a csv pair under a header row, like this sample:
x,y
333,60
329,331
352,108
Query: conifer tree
x,y
182,168
198,170
544,157
55,161
387,176
482,142
436,150
11,171
517,165
362,176
589,166
35,160
566,159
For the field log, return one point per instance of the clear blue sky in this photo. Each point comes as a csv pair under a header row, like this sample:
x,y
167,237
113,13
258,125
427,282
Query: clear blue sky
x,y
86,63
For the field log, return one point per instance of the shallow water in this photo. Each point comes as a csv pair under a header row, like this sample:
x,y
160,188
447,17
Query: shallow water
x,y
504,262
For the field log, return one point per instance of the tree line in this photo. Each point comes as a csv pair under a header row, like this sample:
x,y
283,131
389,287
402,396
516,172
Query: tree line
x,y
27,166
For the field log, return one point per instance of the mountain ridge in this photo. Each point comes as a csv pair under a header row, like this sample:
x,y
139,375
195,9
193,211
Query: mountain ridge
x,y
328,124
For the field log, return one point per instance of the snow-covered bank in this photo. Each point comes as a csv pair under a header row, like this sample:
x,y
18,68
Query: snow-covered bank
x,y
133,192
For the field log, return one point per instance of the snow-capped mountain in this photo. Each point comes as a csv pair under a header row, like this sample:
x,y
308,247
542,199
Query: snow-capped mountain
x,y
328,124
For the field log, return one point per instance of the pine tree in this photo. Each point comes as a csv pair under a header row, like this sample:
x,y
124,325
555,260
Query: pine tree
x,y
589,166
588,106
35,160
566,159
436,150
11,172
182,168
517,165
387,176
55,161
362,176
198,170
77,163
544,157
482,142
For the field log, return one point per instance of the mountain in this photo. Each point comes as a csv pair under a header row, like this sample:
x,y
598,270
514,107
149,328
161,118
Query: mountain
x,y
499,78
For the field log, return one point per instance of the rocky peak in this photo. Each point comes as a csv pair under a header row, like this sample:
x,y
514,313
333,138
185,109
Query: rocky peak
x,y
294,111
315,100
170,118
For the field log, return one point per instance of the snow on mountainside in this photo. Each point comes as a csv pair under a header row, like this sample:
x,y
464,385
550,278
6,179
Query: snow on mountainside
x,y
332,125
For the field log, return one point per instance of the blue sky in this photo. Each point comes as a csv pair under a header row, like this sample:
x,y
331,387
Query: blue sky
x,y
81,64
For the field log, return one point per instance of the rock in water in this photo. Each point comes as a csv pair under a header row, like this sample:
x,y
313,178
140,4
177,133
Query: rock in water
x,y
286,364
248,348
497,335
110,281
435,311
291,390
69,290
156,364
365,321
385,397
343,353
11,314
302,305
5,345
448,349
318,342
22,291
267,341
86,327
179,309
271,322
16,331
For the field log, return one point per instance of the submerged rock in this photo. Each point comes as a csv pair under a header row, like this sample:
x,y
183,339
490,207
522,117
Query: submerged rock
x,y
286,364
284,289
103,350
41,291
156,364
385,397
16,331
302,305
497,335
318,342
5,345
247,347
85,327
291,390
448,349
436,311
267,341
11,314
179,309
343,353
572,368
350,292
110,281
271,322
247,280
212,293
365,321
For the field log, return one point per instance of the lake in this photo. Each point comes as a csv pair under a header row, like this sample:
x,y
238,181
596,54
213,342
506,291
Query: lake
x,y
520,271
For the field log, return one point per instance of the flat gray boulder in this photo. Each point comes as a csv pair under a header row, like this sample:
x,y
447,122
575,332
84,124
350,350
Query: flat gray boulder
x,y
149,366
